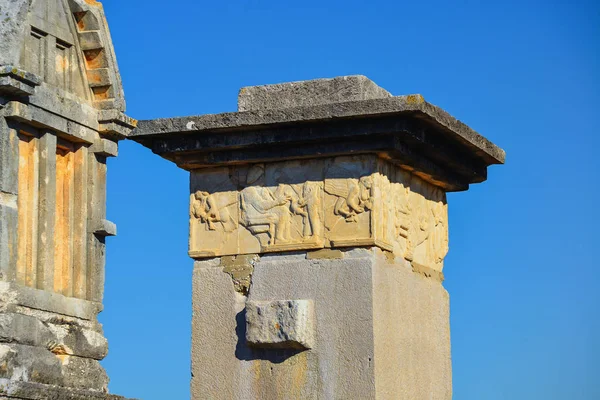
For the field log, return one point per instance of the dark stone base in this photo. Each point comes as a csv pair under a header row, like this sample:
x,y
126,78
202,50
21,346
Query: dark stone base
x,y
10,390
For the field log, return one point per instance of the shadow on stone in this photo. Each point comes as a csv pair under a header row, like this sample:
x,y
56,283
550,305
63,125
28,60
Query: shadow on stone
x,y
246,353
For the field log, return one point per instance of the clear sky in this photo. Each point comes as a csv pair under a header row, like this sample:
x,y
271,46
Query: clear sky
x,y
523,269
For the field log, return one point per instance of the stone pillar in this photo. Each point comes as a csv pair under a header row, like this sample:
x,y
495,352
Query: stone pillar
x,y
319,226
61,116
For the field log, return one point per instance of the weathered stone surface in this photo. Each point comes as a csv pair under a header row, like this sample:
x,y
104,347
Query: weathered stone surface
x,y
240,269
11,293
12,30
355,299
280,324
73,339
8,235
411,325
39,365
105,228
64,338
328,254
35,391
115,125
16,81
83,373
105,148
9,157
407,130
30,364
352,109
309,93
23,329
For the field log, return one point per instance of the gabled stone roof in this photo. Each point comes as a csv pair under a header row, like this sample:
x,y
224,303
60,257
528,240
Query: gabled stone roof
x,y
78,28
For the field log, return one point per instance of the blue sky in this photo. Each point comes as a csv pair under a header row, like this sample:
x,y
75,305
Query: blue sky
x,y
523,270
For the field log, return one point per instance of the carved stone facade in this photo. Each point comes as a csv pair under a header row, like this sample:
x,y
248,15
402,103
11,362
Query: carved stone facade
x,y
347,201
319,228
61,116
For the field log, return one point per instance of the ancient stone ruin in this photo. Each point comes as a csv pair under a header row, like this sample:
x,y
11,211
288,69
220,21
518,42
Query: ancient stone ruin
x,y
318,224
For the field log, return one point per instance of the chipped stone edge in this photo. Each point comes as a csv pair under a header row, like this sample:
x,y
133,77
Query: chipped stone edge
x,y
13,293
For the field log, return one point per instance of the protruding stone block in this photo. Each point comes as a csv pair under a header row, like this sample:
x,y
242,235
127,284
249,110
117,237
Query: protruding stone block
x,y
16,81
105,228
39,365
37,391
309,93
105,148
280,324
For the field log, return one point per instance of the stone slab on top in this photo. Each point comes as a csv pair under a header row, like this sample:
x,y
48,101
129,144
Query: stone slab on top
x,y
327,117
309,93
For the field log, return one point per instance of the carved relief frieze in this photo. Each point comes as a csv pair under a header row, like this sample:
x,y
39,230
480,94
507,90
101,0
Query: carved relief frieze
x,y
330,203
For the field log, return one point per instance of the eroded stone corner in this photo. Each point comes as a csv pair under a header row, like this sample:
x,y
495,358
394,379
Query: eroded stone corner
x,y
240,268
427,272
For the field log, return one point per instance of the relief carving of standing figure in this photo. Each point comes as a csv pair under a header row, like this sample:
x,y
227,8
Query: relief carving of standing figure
x,y
439,234
312,222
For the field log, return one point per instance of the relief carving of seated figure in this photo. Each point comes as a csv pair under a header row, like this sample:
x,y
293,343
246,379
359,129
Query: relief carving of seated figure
x,y
262,211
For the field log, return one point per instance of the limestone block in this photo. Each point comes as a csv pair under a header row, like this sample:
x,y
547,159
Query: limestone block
x,y
8,236
23,329
29,364
76,340
83,373
9,157
280,324
105,228
15,81
12,13
65,338
40,365
12,293
105,148
411,324
225,367
36,391
381,331
309,93
35,364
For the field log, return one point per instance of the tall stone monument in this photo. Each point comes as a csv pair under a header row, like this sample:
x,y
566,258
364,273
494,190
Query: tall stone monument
x,y
61,116
319,226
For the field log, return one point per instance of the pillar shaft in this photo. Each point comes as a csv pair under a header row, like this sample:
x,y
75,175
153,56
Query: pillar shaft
x,y
319,226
